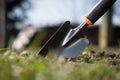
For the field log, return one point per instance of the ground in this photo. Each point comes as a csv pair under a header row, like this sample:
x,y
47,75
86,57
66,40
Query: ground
x,y
90,65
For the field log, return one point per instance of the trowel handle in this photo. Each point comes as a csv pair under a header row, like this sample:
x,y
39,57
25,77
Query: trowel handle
x,y
98,11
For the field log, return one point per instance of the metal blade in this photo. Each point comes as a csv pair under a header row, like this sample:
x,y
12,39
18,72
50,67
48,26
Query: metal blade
x,y
62,31
73,33
74,49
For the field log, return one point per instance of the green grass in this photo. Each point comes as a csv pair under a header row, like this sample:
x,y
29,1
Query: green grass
x,y
30,67
38,68
2,49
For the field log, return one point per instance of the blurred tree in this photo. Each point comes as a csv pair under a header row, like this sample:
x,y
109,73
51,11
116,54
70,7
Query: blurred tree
x,y
106,30
2,23
15,13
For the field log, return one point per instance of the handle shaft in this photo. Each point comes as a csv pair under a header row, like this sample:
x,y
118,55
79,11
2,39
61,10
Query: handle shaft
x,y
99,10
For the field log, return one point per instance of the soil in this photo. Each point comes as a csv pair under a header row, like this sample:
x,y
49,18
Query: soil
x,y
90,57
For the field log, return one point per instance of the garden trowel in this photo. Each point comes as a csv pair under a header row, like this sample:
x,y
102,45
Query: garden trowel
x,y
70,44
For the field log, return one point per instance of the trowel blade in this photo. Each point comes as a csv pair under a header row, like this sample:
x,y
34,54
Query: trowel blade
x,y
74,49
54,39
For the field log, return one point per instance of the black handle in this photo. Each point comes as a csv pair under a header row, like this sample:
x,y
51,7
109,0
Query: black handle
x,y
100,9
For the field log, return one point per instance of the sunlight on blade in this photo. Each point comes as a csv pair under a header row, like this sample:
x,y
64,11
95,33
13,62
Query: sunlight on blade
x,y
74,49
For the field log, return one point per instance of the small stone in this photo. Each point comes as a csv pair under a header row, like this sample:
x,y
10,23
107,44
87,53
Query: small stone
x,y
24,53
83,53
